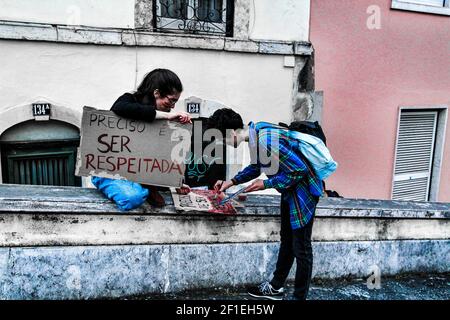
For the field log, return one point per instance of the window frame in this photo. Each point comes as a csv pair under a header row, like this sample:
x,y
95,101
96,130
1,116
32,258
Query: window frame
x,y
217,28
439,146
423,8
399,177
11,151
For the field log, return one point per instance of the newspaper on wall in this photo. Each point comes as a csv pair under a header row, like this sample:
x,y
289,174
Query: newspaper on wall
x,y
201,200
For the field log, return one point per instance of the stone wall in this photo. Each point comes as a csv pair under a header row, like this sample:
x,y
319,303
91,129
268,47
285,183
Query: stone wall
x,y
71,243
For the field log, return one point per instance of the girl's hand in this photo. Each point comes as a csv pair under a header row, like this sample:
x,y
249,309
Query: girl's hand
x,y
221,185
179,116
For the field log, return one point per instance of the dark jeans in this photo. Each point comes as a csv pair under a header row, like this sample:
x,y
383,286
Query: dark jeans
x,y
294,244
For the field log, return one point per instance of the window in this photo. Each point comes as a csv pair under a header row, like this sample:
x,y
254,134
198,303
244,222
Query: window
x,y
414,155
40,165
40,153
213,17
427,6
436,3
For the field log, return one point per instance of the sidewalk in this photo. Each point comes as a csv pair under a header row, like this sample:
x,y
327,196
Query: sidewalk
x,y
405,287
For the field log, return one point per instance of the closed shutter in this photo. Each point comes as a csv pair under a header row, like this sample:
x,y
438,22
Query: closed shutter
x,y
55,169
40,153
414,155
39,165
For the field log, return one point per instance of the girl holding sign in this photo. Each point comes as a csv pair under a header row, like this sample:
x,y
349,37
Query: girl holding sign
x,y
154,99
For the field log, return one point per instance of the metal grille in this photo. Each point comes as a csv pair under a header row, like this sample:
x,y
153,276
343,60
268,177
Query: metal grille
x,y
210,17
50,171
55,168
414,156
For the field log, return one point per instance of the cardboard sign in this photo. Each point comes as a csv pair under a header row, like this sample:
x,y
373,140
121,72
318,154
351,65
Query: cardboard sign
x,y
201,200
119,148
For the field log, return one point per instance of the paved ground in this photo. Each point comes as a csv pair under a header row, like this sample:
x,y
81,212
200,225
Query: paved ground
x,y
405,287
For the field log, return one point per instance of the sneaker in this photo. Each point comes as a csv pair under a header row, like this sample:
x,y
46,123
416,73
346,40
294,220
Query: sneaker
x,y
266,291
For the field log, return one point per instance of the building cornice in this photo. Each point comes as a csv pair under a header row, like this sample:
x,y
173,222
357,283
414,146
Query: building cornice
x,y
132,37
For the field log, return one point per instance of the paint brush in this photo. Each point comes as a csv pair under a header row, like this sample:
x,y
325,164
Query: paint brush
x,y
231,196
217,192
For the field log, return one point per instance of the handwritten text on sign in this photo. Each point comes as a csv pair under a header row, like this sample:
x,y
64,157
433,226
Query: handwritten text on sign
x,y
120,148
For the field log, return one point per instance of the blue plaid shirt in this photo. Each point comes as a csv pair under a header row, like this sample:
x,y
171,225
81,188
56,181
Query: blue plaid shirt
x,y
294,179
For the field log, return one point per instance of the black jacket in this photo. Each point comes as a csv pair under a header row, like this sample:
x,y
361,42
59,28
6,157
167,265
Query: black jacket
x,y
128,107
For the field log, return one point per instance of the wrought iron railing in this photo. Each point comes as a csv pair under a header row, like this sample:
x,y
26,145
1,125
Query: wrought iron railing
x,y
209,17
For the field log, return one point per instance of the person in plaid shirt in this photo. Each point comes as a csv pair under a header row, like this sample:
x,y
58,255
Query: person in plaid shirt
x,y
275,153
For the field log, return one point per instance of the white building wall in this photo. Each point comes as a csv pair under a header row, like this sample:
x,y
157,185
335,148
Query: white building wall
x,y
94,13
257,86
250,74
286,20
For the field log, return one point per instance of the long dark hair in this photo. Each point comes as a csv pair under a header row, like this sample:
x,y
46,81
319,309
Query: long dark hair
x,y
164,80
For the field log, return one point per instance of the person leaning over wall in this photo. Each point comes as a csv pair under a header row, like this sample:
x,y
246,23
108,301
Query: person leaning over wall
x,y
300,191
154,99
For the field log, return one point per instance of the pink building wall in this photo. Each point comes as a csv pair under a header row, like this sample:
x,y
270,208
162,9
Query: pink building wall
x,y
366,75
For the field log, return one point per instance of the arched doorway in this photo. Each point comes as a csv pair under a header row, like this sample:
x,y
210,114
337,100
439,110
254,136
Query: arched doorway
x,y
40,153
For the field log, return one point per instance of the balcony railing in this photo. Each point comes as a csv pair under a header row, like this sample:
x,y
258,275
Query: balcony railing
x,y
208,17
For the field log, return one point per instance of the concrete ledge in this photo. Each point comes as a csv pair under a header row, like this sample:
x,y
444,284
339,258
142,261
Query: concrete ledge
x,y
46,216
79,229
51,199
130,37
150,39
114,271
89,36
28,31
72,243
241,46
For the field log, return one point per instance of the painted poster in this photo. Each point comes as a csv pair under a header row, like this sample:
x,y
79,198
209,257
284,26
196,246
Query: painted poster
x,y
120,148
201,200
